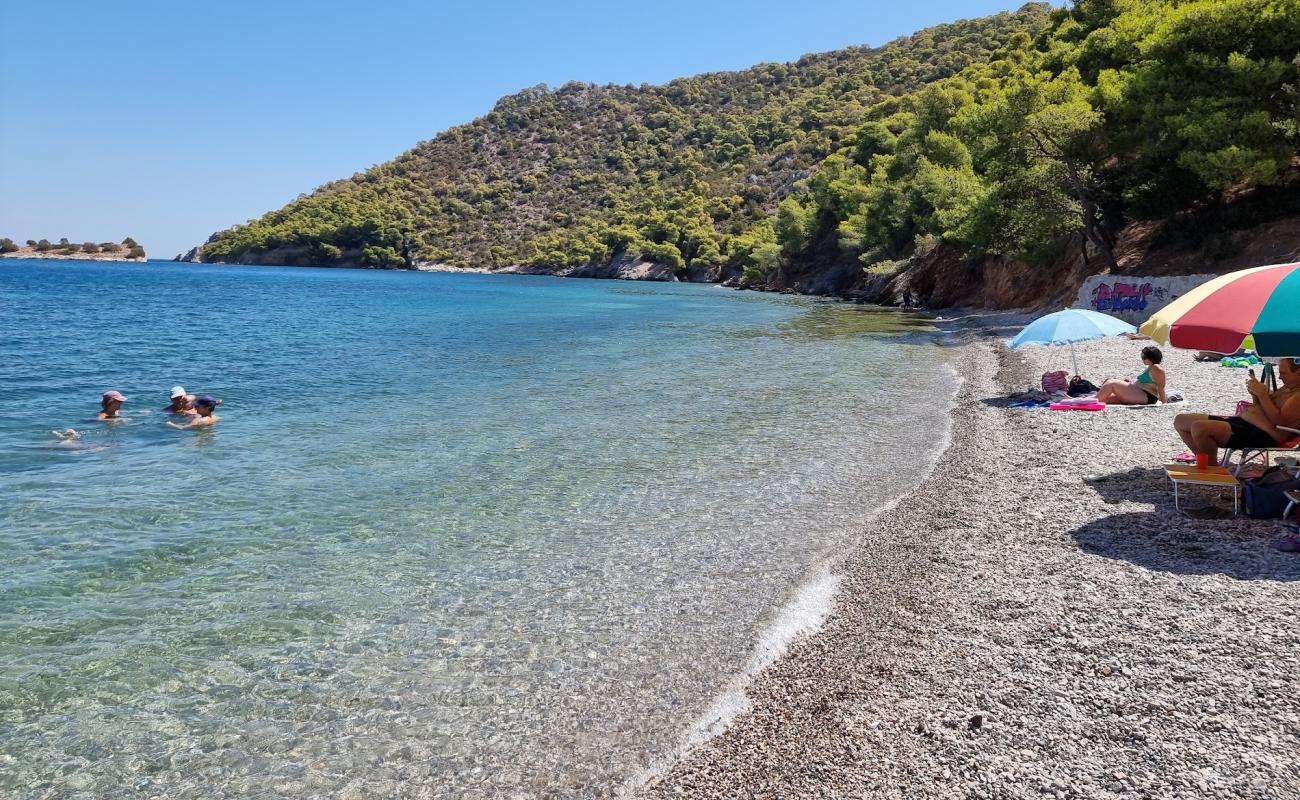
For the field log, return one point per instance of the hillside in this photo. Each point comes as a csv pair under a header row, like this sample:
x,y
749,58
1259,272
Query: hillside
x,y
565,177
1024,149
1143,137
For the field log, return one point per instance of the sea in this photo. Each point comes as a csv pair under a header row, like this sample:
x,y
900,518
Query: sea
x,y
454,535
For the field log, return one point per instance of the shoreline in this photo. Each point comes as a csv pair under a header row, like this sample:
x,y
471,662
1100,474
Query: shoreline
x,y
1056,638
24,255
803,614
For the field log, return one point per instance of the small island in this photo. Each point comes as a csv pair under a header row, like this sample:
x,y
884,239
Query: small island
x,y
126,250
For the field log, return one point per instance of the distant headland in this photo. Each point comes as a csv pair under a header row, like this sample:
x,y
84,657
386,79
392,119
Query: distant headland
x,y
126,250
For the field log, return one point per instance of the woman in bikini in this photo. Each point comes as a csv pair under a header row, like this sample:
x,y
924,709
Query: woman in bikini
x,y
1146,390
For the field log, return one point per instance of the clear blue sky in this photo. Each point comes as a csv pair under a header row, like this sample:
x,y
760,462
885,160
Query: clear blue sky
x,y
168,120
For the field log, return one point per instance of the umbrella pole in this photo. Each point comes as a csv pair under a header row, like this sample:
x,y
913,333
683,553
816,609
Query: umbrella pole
x,y
1075,358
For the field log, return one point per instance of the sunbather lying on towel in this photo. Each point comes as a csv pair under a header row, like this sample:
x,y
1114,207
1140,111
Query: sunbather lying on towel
x,y
1257,426
1147,389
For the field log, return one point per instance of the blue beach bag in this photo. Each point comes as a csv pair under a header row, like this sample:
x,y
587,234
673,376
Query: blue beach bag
x,y
1266,495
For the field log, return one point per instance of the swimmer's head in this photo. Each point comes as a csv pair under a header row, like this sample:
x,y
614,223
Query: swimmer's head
x,y
177,391
205,402
112,397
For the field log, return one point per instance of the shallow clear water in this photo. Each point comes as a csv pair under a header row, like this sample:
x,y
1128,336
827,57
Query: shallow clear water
x,y
453,535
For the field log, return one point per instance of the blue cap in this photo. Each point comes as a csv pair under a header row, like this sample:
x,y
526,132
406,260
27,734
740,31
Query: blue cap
x,y
205,400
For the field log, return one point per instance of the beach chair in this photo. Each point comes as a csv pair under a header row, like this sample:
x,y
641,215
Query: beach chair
x,y
1293,503
1261,456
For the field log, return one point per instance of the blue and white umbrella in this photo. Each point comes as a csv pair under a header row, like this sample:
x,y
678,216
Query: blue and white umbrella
x,y
1070,326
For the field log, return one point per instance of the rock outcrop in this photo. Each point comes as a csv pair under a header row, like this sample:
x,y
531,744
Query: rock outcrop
x,y
621,267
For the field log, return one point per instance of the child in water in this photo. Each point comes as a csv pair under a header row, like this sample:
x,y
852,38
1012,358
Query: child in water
x,y
204,406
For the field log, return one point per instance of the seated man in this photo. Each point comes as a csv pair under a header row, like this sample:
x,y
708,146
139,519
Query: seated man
x,y
1257,426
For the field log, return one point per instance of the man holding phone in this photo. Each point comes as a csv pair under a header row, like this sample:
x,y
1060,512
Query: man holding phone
x,y
1260,425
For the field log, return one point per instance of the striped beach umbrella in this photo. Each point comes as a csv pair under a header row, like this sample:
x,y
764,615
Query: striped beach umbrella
x,y
1219,315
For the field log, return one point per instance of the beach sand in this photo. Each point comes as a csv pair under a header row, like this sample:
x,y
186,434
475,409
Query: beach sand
x,y
1013,630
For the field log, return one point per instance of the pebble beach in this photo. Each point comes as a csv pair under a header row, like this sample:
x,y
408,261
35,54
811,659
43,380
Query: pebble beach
x,y
1036,620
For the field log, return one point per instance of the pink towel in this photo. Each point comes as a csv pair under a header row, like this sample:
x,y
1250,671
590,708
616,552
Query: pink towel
x,y
1091,405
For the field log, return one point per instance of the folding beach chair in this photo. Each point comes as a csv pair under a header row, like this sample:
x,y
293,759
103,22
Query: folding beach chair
x,y
1293,503
1261,456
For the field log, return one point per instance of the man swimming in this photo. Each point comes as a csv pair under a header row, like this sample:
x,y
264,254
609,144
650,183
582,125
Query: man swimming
x,y
203,416
182,404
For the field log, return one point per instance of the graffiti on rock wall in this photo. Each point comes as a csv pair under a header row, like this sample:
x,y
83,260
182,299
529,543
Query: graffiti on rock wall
x,y
1134,298
1122,296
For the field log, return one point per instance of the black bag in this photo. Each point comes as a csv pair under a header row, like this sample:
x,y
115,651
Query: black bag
x,y
1266,495
1080,386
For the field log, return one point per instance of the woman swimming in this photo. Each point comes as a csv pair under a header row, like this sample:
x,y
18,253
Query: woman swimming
x,y
110,404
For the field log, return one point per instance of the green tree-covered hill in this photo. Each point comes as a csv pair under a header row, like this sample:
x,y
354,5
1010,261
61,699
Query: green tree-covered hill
x,y
1004,136
573,175
1118,111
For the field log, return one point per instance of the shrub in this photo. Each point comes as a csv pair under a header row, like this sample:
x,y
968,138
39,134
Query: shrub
x,y
43,246
7,245
325,253
90,247
136,251
31,242
110,247
129,242
666,254
380,257
765,259
794,224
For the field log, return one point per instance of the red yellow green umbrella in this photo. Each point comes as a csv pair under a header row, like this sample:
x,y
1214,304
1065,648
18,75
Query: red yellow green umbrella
x,y
1219,315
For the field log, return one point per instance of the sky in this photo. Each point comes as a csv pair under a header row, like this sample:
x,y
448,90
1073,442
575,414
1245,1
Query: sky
x,y
167,121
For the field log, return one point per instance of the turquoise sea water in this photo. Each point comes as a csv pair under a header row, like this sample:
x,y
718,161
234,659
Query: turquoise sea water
x,y
454,535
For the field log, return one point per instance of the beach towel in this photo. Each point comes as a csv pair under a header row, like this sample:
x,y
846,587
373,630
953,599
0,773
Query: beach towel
x,y
1078,404
1173,398
1237,363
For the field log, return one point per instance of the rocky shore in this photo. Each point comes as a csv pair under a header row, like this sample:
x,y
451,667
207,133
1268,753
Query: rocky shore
x,y
32,253
1035,620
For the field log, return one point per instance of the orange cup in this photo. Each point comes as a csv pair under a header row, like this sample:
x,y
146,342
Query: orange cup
x,y
1202,460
